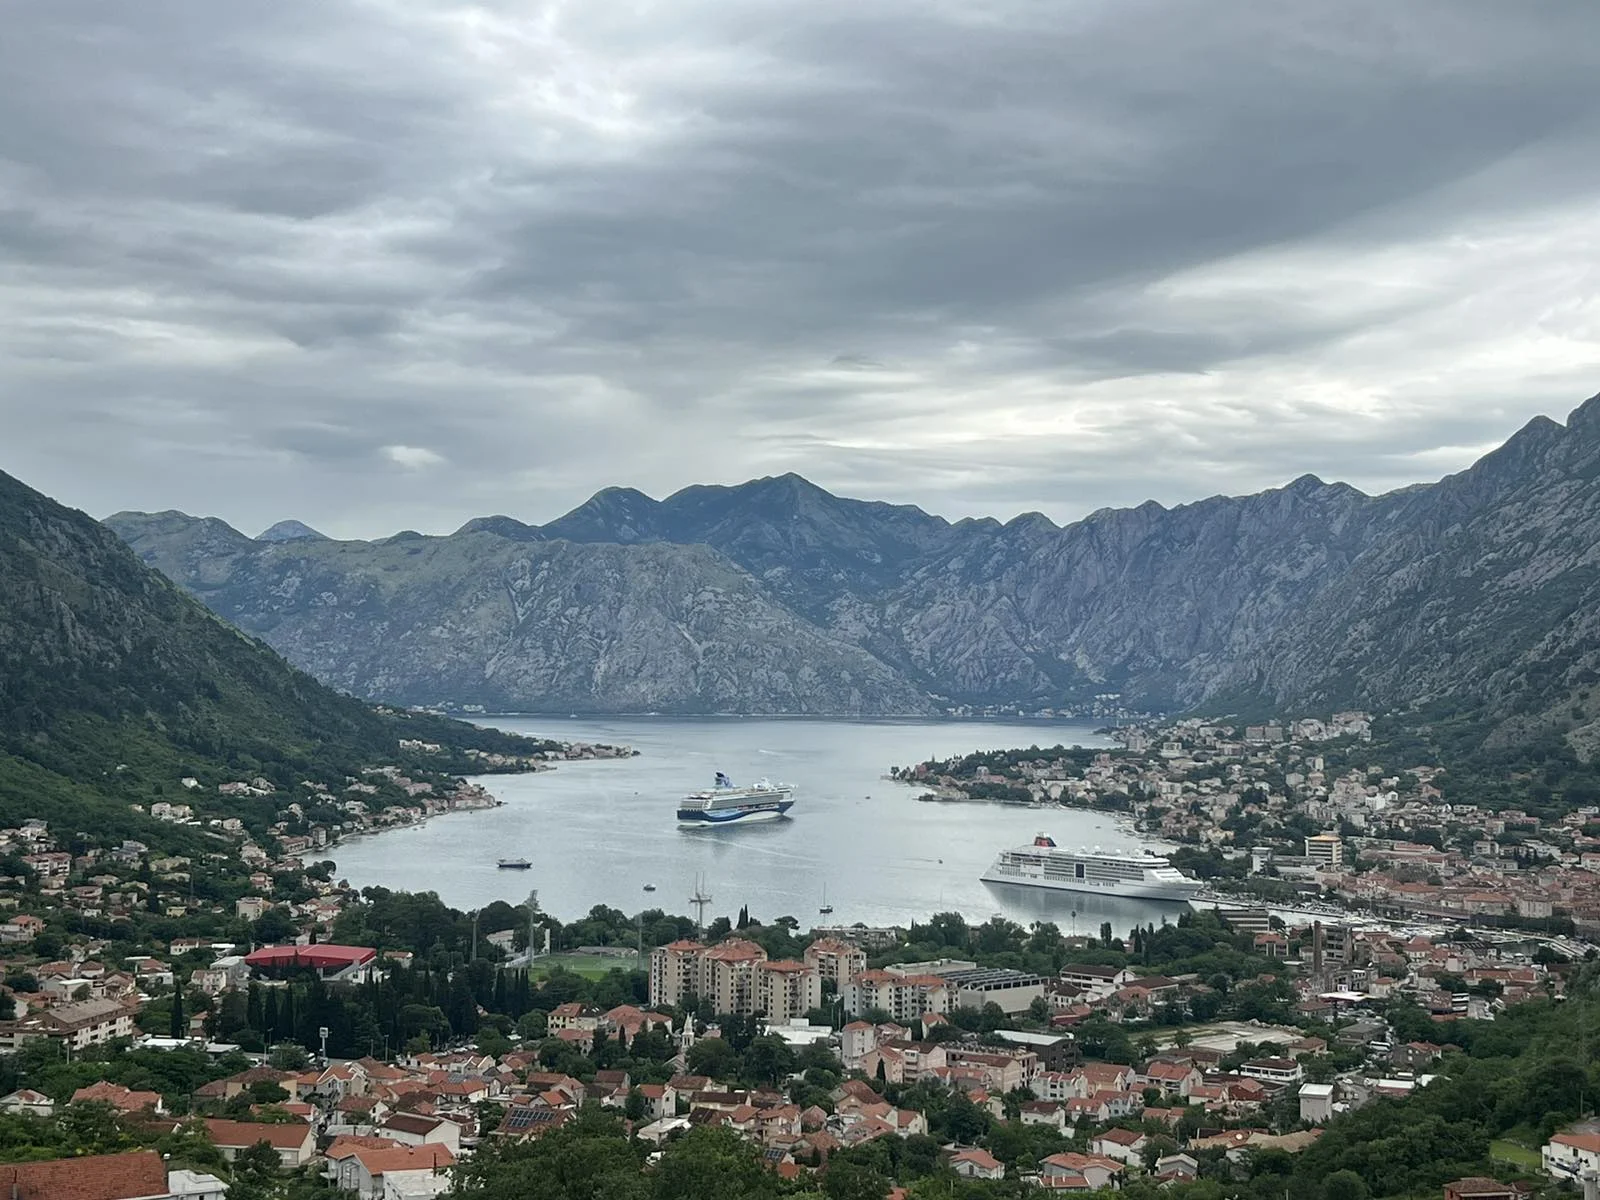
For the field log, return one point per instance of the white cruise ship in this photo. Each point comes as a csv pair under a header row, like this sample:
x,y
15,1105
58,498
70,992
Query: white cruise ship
x,y
725,803
1104,873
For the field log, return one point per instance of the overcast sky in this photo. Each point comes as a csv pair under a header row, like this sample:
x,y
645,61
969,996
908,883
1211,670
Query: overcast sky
x,y
383,264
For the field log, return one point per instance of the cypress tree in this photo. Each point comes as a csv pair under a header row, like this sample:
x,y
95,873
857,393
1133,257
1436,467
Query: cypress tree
x,y
180,1024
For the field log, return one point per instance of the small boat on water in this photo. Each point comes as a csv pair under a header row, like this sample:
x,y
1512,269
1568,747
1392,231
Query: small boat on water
x,y
513,864
649,887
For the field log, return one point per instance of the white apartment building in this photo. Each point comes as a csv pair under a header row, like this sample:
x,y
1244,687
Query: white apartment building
x,y
735,976
1097,981
86,1023
674,972
835,960
786,989
1273,1070
1571,1155
1324,850
903,997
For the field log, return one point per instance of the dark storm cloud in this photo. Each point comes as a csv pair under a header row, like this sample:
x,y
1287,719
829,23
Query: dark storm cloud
x,y
399,262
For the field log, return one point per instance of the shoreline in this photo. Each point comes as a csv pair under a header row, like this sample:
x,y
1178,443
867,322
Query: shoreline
x,y
850,718
417,824
480,782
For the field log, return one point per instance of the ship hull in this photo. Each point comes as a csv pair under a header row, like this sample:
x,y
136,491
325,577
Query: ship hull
x,y
1133,889
765,810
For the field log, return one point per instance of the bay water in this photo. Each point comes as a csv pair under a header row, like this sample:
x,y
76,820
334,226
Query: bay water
x,y
596,832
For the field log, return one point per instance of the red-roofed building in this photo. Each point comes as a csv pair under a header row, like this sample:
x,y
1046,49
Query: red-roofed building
x,y
119,1098
1476,1187
410,1129
674,971
583,1039
835,959
1124,1145
723,974
294,1143
1172,1079
1571,1155
328,961
785,990
977,1164
93,1177
416,1170
1062,1172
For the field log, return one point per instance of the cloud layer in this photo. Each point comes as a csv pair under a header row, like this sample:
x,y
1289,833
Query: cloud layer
x,y
393,263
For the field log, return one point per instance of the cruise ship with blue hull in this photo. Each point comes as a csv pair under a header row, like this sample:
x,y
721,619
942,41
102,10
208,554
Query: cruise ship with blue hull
x,y
725,803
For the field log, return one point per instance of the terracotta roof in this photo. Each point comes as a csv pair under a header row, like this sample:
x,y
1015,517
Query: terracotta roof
x,y
347,1144
98,1177
1477,1185
1579,1141
978,1158
1173,1071
1122,1137
736,950
119,1097
247,1133
432,1157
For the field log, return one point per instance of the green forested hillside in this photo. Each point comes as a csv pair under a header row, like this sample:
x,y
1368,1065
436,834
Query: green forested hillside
x,y
114,684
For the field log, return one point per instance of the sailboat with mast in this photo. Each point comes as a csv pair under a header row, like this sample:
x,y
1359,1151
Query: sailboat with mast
x,y
826,907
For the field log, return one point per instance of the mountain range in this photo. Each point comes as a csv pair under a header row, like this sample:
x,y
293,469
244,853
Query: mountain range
x,y
774,596
114,685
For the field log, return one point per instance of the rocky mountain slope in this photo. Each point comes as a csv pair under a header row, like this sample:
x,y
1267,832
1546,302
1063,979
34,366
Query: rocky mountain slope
x,y
518,624
114,684
1478,589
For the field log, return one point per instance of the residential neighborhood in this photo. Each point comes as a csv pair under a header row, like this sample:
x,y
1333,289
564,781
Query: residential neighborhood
x,y
380,1043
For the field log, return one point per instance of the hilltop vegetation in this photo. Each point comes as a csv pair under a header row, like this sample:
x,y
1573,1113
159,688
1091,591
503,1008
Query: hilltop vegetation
x,y
114,685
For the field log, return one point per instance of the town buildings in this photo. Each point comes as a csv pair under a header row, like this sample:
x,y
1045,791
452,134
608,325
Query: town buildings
x,y
835,961
1571,1156
734,976
75,1025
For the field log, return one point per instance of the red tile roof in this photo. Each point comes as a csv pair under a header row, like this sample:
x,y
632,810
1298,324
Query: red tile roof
x,y
1579,1141
322,957
119,1097
981,1159
1122,1137
98,1177
247,1133
432,1157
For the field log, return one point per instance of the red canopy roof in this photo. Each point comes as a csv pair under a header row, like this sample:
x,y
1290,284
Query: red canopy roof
x,y
325,957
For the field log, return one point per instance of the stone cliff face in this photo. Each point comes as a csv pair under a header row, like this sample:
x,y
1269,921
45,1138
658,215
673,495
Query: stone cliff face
x,y
777,596
1483,587
519,625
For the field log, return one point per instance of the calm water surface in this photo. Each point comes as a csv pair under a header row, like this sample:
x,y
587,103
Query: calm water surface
x,y
597,832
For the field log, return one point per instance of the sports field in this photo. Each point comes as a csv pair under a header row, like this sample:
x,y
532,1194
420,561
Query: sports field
x,y
1504,1151
593,966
